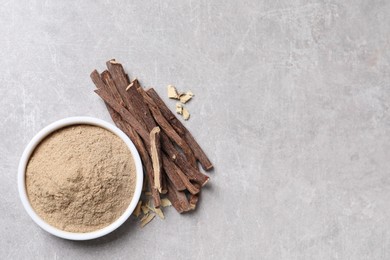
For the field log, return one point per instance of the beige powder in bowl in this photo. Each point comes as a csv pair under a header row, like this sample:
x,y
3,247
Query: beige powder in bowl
x,y
80,178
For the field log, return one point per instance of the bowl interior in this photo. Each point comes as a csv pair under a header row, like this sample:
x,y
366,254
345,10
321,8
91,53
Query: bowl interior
x,y
42,135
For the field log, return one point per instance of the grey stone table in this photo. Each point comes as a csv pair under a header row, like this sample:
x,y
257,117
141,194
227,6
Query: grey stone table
x,y
292,106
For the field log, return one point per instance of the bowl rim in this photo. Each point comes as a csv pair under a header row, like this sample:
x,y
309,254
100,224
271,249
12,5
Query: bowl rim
x,y
36,140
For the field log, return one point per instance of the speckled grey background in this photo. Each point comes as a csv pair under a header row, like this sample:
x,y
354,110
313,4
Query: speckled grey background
x,y
292,106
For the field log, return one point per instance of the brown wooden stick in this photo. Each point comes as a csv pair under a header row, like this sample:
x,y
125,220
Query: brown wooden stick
x,y
155,151
166,126
178,199
119,76
181,130
96,79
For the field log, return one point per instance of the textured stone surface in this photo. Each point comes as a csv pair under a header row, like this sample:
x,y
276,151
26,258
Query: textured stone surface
x,y
292,105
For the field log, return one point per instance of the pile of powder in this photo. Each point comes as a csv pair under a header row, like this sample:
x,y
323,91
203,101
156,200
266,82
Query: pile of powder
x,y
81,178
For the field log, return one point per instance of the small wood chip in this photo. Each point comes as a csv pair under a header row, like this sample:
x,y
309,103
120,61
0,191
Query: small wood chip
x,y
165,202
179,108
145,209
185,97
172,92
137,210
159,213
186,114
147,218
151,208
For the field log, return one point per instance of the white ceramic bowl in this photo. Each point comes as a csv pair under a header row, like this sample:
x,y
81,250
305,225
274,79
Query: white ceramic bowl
x,y
48,130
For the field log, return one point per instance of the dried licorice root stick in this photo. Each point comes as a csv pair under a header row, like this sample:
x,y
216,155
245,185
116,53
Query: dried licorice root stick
x,y
107,79
155,150
181,130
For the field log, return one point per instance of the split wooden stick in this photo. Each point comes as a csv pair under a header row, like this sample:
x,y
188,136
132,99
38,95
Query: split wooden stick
x,y
155,151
